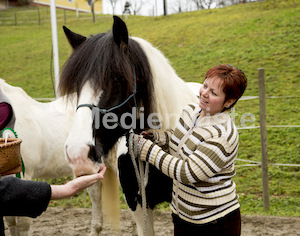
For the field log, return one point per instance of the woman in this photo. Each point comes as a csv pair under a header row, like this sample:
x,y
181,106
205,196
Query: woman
x,y
199,156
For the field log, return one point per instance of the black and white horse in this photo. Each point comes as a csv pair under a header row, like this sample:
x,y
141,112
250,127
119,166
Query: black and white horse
x,y
122,83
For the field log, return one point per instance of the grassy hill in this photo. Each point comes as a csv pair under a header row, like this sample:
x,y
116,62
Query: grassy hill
x,y
248,36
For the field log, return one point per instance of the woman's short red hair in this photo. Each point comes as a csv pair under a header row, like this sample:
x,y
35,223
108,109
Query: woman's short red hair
x,y
234,80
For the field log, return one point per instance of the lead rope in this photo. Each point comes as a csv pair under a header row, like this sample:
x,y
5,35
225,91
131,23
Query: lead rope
x,y
140,175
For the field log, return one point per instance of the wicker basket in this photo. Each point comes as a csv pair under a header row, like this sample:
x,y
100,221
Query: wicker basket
x,y
10,156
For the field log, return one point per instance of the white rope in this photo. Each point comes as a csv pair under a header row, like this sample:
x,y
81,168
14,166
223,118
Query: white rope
x,y
280,164
143,193
270,164
242,98
140,175
255,97
269,126
257,163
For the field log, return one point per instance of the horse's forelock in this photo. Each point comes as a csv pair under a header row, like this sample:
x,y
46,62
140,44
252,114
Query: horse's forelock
x,y
101,62
97,60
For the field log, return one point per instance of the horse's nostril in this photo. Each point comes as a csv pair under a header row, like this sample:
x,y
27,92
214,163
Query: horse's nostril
x,y
91,152
66,154
83,174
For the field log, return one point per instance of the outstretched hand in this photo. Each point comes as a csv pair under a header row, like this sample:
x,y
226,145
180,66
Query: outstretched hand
x,y
76,185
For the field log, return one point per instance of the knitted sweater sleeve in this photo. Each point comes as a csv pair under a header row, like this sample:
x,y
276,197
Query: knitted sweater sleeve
x,y
205,162
23,198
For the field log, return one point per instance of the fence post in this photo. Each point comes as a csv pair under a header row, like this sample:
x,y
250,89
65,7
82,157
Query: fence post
x,y
54,44
39,15
65,17
16,19
77,11
263,137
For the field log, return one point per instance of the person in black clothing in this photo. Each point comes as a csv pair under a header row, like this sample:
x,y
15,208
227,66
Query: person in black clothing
x,y
30,198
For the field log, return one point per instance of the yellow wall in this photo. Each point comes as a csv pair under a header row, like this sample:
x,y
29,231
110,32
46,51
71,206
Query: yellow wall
x,y
81,5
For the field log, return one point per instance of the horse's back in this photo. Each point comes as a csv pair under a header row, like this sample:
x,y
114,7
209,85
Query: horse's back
x,y
43,128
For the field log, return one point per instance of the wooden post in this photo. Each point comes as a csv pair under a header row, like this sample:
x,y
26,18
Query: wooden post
x,y
54,45
165,7
39,15
263,137
65,17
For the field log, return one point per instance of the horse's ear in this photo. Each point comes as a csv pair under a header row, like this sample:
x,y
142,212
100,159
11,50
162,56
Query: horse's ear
x,y
120,33
74,39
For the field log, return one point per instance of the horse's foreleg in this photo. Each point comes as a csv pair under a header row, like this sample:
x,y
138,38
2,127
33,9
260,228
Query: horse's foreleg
x,y
19,226
23,225
97,218
11,223
142,222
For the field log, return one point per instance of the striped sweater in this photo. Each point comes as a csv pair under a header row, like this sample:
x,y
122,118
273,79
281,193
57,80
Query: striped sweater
x,y
199,156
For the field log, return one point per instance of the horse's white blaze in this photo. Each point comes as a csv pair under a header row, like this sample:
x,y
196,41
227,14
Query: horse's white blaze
x,y
81,138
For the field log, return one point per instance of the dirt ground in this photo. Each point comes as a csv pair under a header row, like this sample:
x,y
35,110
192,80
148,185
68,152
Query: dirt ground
x,y
76,222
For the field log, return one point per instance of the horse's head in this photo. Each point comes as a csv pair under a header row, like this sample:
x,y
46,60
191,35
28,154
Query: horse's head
x,y
111,75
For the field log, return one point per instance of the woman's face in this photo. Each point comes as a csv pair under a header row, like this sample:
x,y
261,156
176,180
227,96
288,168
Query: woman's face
x,y
212,97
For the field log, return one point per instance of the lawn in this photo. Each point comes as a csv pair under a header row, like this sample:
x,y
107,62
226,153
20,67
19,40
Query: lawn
x,y
248,36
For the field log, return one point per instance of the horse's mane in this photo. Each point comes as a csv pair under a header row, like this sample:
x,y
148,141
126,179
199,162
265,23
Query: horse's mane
x,y
171,92
102,63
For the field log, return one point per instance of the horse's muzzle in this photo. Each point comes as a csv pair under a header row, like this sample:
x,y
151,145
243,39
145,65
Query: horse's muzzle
x,y
79,161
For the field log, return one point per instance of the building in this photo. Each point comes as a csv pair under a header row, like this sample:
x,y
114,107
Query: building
x,y
75,5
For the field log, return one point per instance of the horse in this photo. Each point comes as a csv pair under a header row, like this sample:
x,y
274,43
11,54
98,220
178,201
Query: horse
x,y
44,128
122,83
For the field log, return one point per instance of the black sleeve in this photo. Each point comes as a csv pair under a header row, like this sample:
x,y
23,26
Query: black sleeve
x,y
23,197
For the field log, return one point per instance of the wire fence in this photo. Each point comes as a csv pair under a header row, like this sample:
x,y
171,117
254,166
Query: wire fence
x,y
41,16
252,163
258,163
263,164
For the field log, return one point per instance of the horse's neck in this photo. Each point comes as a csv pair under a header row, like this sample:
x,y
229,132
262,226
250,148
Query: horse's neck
x,y
171,93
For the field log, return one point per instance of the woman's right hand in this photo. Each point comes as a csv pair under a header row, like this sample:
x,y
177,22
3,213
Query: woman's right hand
x,y
150,134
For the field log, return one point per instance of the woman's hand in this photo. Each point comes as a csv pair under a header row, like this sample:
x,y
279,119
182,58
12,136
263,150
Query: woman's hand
x,y
135,143
150,134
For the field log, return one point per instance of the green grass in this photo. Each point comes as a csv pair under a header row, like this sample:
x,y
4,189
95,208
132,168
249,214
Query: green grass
x,y
249,36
